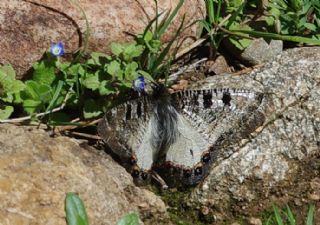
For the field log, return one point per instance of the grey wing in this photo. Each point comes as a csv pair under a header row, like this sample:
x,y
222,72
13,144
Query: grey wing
x,y
217,112
208,121
187,160
127,130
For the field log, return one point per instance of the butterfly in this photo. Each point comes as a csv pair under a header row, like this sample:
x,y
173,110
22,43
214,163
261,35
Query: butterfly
x,y
178,135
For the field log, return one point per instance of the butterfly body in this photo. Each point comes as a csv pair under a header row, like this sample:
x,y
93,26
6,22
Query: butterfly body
x,y
179,135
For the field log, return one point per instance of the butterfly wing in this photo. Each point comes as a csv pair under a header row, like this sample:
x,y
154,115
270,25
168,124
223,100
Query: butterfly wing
x,y
127,129
206,124
212,111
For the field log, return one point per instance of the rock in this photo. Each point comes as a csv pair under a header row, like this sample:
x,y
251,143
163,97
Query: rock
x,y
218,66
314,194
255,221
35,24
278,161
181,85
37,171
259,51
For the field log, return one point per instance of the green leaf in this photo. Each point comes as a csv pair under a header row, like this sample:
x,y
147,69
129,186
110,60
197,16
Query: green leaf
x,y
31,106
152,44
30,90
38,92
146,75
151,22
310,215
91,109
277,215
63,66
73,70
75,211
131,51
290,216
116,48
92,81
279,37
9,98
6,112
269,20
105,88
9,71
240,43
16,86
130,219
17,98
148,36
210,11
43,72
97,57
9,84
269,221
126,84
165,51
114,69
131,71
45,93
169,19
310,26
55,95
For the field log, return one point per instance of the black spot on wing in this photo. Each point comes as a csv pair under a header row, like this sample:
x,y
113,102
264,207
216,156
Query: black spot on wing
x,y
206,157
194,100
226,98
198,171
139,109
128,112
207,99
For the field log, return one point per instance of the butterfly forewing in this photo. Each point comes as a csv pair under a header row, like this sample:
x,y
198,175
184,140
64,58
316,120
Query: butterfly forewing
x,y
127,129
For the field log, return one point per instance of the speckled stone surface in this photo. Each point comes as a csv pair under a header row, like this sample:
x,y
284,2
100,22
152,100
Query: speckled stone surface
x,y
281,159
37,171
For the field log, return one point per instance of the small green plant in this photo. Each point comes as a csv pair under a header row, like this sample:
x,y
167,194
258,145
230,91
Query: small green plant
x,y
60,91
286,217
235,21
10,91
156,58
75,211
129,219
295,17
222,17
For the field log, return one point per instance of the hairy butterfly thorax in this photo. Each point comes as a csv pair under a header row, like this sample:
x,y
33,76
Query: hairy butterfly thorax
x,y
179,135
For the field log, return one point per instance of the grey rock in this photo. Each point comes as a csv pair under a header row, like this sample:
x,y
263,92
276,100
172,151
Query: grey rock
x,y
37,171
259,51
281,157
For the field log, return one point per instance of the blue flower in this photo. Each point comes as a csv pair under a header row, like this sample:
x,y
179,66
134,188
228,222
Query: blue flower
x,y
57,49
139,84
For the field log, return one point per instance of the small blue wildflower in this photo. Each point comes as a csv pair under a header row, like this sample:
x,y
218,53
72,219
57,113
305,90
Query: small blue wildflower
x,y
57,49
139,84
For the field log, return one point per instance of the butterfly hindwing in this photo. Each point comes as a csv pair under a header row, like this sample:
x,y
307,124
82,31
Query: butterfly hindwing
x,y
205,117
